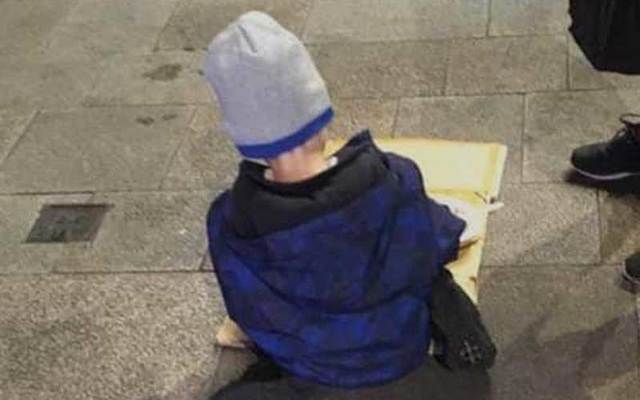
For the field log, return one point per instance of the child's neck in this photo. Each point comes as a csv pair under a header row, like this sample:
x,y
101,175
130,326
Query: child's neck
x,y
298,168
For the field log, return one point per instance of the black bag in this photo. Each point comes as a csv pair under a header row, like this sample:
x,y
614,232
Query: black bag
x,y
460,338
608,32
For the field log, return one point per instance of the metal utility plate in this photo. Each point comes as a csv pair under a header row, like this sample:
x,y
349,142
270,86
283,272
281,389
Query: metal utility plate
x,y
63,223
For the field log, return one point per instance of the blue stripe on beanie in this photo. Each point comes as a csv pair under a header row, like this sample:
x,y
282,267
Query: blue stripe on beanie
x,y
273,149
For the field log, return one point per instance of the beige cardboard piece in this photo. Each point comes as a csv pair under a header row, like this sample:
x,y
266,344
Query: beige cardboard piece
x,y
466,171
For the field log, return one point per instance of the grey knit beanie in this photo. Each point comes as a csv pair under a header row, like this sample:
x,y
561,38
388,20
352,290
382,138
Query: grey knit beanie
x,y
272,97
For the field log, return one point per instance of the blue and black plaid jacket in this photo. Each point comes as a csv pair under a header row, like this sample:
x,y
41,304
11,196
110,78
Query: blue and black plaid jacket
x,y
342,299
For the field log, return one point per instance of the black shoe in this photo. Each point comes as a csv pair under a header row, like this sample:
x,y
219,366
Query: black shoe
x,y
616,159
631,269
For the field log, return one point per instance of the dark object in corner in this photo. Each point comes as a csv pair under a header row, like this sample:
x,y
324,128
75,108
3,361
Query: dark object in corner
x,y
460,338
608,32
631,269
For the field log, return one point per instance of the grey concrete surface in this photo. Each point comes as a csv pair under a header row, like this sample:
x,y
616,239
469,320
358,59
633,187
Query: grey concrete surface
x,y
160,78
102,101
25,24
40,82
206,158
108,337
95,149
544,224
507,65
620,232
157,231
522,17
563,332
12,125
96,28
395,20
354,115
382,69
496,119
195,22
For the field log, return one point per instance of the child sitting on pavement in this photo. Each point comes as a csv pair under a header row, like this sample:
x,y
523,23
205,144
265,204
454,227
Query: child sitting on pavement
x,y
327,264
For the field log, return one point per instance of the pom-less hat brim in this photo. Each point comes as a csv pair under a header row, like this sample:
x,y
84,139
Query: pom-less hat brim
x,y
273,149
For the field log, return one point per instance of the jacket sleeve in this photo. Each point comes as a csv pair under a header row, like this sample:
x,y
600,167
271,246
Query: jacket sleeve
x,y
447,229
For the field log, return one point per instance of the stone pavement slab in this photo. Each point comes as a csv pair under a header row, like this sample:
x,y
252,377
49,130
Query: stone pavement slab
x,y
108,337
24,24
12,125
378,70
496,119
145,12
620,226
95,28
17,215
521,17
562,333
206,159
507,64
544,224
394,20
231,365
161,78
163,231
195,22
39,82
95,149
207,264
582,75
556,123
355,115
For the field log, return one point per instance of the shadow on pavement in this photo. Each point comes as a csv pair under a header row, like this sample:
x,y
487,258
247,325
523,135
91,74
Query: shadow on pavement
x,y
543,364
626,194
625,186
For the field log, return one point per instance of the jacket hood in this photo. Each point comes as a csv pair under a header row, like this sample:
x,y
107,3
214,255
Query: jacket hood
x,y
333,260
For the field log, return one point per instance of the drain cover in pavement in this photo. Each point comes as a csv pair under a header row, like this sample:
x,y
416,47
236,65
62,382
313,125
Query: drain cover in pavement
x,y
61,223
